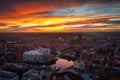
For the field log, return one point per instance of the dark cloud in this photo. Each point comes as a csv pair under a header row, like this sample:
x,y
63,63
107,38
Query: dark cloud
x,y
7,6
40,14
114,22
16,26
90,26
105,1
37,30
116,30
14,29
3,24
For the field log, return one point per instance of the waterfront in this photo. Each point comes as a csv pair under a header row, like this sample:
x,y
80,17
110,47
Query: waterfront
x,y
63,63
28,53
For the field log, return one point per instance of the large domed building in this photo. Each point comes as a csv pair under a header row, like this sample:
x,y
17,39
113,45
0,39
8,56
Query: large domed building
x,y
38,54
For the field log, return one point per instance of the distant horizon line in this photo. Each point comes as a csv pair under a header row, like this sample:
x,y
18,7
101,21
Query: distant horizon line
x,y
63,32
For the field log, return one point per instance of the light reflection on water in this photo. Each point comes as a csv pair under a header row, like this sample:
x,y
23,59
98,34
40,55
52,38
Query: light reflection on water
x,y
63,63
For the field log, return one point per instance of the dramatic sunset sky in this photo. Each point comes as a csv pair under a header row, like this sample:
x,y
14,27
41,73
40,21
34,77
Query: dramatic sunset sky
x,y
59,15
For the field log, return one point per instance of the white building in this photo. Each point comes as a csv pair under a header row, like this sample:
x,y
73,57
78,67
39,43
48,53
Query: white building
x,y
5,75
36,55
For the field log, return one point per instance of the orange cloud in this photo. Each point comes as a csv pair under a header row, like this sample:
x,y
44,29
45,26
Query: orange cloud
x,y
58,24
48,15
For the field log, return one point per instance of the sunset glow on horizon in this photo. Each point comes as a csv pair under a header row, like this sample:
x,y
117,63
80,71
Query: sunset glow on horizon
x,y
59,16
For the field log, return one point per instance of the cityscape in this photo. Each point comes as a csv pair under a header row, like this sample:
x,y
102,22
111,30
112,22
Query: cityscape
x,y
30,56
59,39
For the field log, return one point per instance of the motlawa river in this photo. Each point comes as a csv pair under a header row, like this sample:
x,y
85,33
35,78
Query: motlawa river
x,y
63,63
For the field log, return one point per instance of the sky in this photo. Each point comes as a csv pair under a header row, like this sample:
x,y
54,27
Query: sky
x,y
59,15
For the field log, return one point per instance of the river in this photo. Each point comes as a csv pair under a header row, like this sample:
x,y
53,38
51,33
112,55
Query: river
x,y
63,63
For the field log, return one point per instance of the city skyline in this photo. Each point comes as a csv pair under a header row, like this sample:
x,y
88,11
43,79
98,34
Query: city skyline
x,y
59,16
